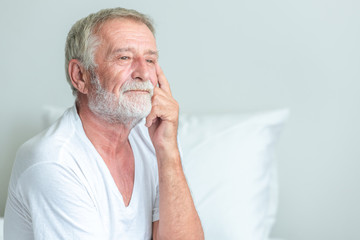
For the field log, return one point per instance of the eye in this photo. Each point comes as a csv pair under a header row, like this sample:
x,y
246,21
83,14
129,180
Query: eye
x,y
150,60
124,58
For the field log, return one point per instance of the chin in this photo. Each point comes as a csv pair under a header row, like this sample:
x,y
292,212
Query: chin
x,y
131,113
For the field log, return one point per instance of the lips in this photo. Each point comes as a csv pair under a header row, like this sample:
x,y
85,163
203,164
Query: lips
x,y
138,90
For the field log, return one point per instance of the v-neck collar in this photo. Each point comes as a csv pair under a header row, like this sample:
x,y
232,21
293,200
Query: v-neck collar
x,y
105,168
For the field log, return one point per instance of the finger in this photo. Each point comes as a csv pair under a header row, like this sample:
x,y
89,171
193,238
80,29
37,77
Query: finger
x,y
153,116
150,119
161,98
163,82
160,92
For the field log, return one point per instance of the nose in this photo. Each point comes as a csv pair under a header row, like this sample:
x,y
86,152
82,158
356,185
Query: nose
x,y
140,70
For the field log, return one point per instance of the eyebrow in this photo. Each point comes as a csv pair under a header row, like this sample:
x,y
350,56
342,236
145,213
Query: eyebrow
x,y
130,49
151,52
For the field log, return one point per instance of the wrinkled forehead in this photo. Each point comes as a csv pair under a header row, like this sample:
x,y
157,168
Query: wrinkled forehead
x,y
120,24
126,34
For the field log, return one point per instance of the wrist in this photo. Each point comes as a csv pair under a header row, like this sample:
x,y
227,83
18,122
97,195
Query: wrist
x,y
166,147
168,156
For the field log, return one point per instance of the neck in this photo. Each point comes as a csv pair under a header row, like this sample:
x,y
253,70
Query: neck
x,y
109,139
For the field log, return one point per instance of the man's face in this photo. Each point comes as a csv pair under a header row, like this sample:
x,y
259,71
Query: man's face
x,y
125,59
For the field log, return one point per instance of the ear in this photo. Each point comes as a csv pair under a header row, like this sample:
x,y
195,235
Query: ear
x,y
79,77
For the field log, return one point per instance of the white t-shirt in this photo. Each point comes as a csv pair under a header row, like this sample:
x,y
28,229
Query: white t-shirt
x,y
60,188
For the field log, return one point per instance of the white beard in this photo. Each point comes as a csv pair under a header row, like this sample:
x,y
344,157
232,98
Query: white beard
x,y
128,109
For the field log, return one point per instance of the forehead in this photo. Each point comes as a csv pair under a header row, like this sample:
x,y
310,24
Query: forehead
x,y
126,32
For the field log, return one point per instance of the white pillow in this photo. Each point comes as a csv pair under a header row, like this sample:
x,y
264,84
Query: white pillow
x,y
228,161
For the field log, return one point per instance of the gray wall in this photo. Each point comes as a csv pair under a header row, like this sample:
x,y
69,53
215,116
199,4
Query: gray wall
x,y
221,56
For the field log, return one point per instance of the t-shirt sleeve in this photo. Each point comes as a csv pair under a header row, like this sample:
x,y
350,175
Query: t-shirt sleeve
x,y
59,204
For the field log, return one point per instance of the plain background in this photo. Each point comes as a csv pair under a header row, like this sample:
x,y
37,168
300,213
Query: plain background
x,y
221,56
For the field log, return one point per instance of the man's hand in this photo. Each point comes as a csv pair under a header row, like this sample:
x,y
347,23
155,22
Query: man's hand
x,y
163,118
178,216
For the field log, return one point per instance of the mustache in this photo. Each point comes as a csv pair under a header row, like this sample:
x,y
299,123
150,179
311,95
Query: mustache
x,y
132,85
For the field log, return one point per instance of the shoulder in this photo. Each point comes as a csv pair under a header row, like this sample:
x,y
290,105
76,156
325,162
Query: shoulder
x,y
53,145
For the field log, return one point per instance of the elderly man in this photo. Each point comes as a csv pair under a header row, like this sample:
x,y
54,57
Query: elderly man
x,y
110,167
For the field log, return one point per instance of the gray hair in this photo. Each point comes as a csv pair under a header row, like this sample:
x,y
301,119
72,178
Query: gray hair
x,y
82,41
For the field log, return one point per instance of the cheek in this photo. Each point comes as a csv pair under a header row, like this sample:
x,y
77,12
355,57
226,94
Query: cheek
x,y
153,78
120,78
154,82
113,82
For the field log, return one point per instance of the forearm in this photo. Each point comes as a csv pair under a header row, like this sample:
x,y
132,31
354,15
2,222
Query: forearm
x,y
178,216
